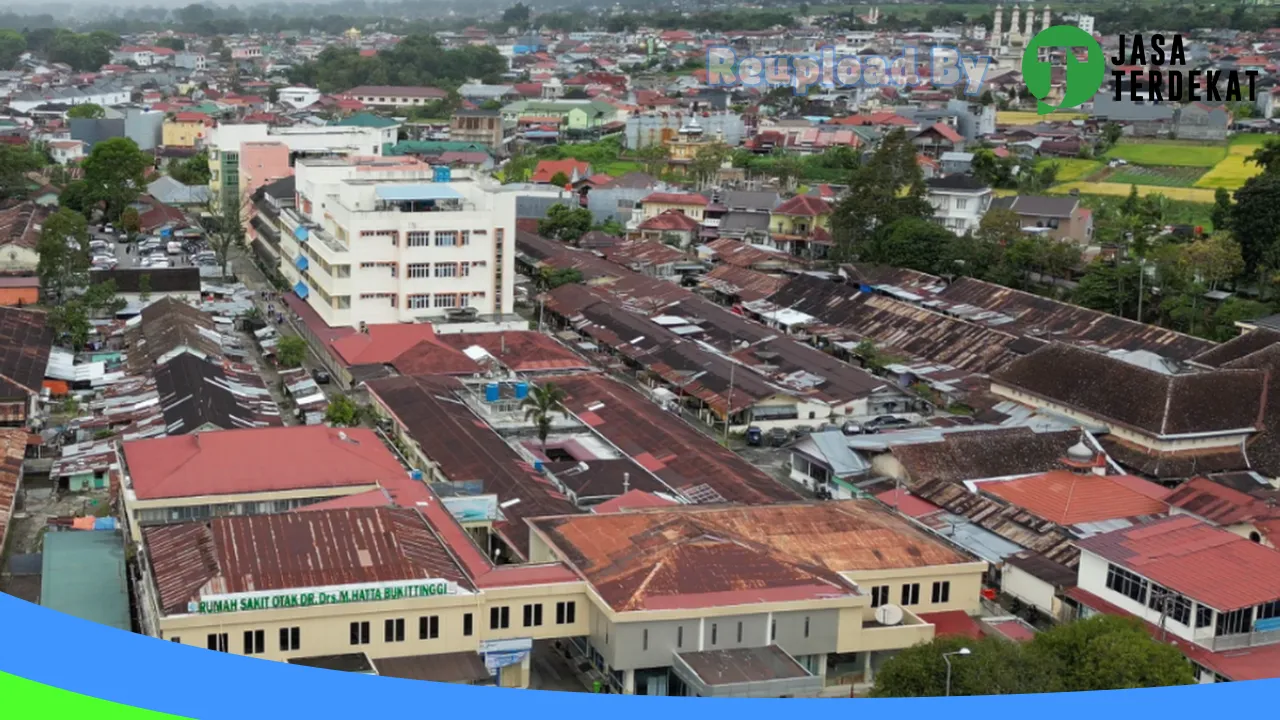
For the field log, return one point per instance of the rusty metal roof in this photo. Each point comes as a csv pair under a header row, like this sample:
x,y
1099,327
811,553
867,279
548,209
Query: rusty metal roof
x,y
696,557
982,454
294,550
25,342
13,447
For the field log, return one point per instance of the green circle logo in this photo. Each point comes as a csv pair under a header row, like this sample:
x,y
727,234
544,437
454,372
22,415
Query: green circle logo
x,y
1084,78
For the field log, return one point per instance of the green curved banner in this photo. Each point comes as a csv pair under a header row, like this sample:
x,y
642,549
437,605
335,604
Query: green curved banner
x,y
28,699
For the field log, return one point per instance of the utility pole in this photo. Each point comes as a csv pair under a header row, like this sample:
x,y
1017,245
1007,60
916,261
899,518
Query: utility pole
x,y
728,410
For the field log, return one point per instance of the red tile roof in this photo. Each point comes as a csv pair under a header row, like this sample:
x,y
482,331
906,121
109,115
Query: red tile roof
x,y
1219,504
953,623
370,498
947,132
1069,498
548,169
907,504
431,357
669,220
804,205
520,350
381,343
1015,630
258,460
665,198
693,556
294,550
631,500
1203,562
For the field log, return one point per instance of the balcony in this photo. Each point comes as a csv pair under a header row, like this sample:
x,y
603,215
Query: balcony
x,y
1223,643
911,631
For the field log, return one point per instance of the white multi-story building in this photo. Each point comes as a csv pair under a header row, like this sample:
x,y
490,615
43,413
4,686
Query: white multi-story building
x,y
1082,21
382,240
190,61
300,96
1211,593
959,202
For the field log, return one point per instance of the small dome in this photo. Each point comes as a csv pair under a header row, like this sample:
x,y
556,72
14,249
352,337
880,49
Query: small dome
x,y
1080,452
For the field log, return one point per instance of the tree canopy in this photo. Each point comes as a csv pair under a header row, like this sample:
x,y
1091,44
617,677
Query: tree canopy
x,y
115,173
1100,653
419,60
90,111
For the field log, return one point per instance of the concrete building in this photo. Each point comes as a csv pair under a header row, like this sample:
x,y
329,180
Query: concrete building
x,y
190,61
1060,217
299,96
486,127
959,202
384,240
659,128
224,144
388,96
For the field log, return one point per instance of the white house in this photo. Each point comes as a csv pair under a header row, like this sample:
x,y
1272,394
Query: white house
x,y
140,56
65,152
959,202
1211,593
299,96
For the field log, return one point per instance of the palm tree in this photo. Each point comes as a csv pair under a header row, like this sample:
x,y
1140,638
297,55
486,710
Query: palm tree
x,y
540,405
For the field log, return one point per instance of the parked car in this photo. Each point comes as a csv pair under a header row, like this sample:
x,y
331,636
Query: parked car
x,y
754,436
779,436
320,376
889,422
851,428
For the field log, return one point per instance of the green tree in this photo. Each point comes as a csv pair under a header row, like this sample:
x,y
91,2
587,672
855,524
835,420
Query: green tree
x,y
1112,288
706,163
1255,221
1221,217
992,667
1214,259
144,287
175,44
224,228
653,158
889,187
87,111
1231,311
64,253
560,179
12,45
15,162
291,351
910,242
1111,134
78,197
130,221
342,412
564,223
541,404
1267,156
550,278
516,16
1108,652
192,171
115,173
71,319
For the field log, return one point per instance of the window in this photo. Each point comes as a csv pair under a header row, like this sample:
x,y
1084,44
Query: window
x,y
418,270
961,203
1234,622
1126,583
879,595
464,237
417,302
942,592
806,626
1204,616
445,300
393,630
911,594
565,612
175,639
446,270
255,642
773,630
644,639
533,615
389,298
218,642
680,636
1266,611
429,627
739,632
360,633
290,639
466,625
1171,603
464,269
499,618
418,239
446,238
714,632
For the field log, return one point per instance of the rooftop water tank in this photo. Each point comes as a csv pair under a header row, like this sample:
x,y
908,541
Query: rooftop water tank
x,y
491,392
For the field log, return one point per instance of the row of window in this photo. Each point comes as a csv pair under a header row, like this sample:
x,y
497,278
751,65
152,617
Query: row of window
x,y
255,641
910,594
1178,608
500,617
438,238
441,270
441,300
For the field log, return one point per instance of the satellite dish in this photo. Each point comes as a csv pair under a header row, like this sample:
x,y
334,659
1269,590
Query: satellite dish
x,y
888,614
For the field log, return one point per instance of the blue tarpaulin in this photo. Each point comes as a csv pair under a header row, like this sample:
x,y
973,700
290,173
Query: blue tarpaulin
x,y
301,290
104,524
302,263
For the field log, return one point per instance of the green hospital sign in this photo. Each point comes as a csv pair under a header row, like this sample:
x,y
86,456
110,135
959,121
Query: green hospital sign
x,y
341,595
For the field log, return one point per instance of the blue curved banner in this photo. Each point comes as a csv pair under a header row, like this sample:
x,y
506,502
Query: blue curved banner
x,y
77,656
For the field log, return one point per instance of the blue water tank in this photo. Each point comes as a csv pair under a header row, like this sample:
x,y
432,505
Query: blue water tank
x,y
522,390
491,392
415,474
443,173
300,233
537,465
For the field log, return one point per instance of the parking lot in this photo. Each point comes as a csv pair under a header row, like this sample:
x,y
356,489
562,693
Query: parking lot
x,y
110,250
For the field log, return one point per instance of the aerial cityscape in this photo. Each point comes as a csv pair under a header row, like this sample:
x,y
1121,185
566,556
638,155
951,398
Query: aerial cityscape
x,y
784,350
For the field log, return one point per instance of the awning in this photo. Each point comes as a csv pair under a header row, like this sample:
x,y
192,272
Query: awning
x,y
301,290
